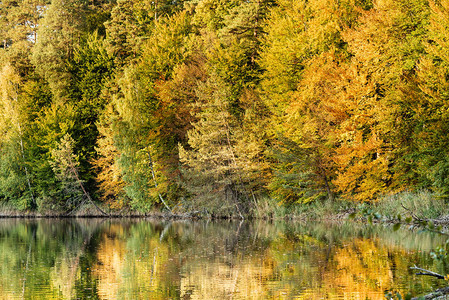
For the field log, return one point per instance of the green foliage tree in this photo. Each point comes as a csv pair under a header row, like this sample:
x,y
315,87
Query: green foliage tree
x,y
15,170
132,22
49,127
142,129
426,100
65,165
91,69
57,35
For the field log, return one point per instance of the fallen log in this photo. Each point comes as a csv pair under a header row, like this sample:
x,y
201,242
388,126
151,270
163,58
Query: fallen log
x,y
440,294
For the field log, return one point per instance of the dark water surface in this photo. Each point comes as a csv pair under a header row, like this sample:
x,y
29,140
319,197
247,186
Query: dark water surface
x,y
142,259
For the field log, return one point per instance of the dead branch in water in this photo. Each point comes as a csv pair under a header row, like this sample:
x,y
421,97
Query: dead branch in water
x,y
414,216
427,272
438,294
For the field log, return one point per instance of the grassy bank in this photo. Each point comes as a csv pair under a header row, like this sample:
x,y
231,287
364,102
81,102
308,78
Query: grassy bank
x,y
269,208
86,210
422,204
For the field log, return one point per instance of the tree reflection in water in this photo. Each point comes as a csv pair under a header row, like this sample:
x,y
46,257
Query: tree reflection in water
x,y
147,259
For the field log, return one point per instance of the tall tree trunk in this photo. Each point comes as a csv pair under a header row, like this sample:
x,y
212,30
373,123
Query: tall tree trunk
x,y
19,128
75,172
328,189
155,181
155,10
33,200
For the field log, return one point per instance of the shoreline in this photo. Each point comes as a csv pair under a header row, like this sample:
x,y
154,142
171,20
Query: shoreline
x,y
340,216
404,208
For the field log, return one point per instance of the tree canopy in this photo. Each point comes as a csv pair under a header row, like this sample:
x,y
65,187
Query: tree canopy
x,y
214,104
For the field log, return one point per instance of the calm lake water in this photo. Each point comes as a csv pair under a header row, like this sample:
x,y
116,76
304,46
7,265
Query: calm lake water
x,y
143,259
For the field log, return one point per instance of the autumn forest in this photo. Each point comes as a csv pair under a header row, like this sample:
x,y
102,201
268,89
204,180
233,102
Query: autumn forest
x,y
216,104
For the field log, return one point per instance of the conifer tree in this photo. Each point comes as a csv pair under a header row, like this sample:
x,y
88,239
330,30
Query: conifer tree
x,y
221,159
65,165
132,22
19,21
125,30
91,68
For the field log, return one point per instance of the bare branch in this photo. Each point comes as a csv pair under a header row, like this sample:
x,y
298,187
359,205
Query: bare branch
x,y
427,272
155,181
416,218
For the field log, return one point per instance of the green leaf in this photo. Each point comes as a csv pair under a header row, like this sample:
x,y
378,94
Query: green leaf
x,y
396,226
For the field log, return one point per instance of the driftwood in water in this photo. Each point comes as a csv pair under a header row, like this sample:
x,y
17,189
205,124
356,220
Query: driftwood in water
x,y
440,294
427,272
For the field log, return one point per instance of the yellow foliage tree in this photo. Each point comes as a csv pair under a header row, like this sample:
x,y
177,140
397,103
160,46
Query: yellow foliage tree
x,y
223,158
386,45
